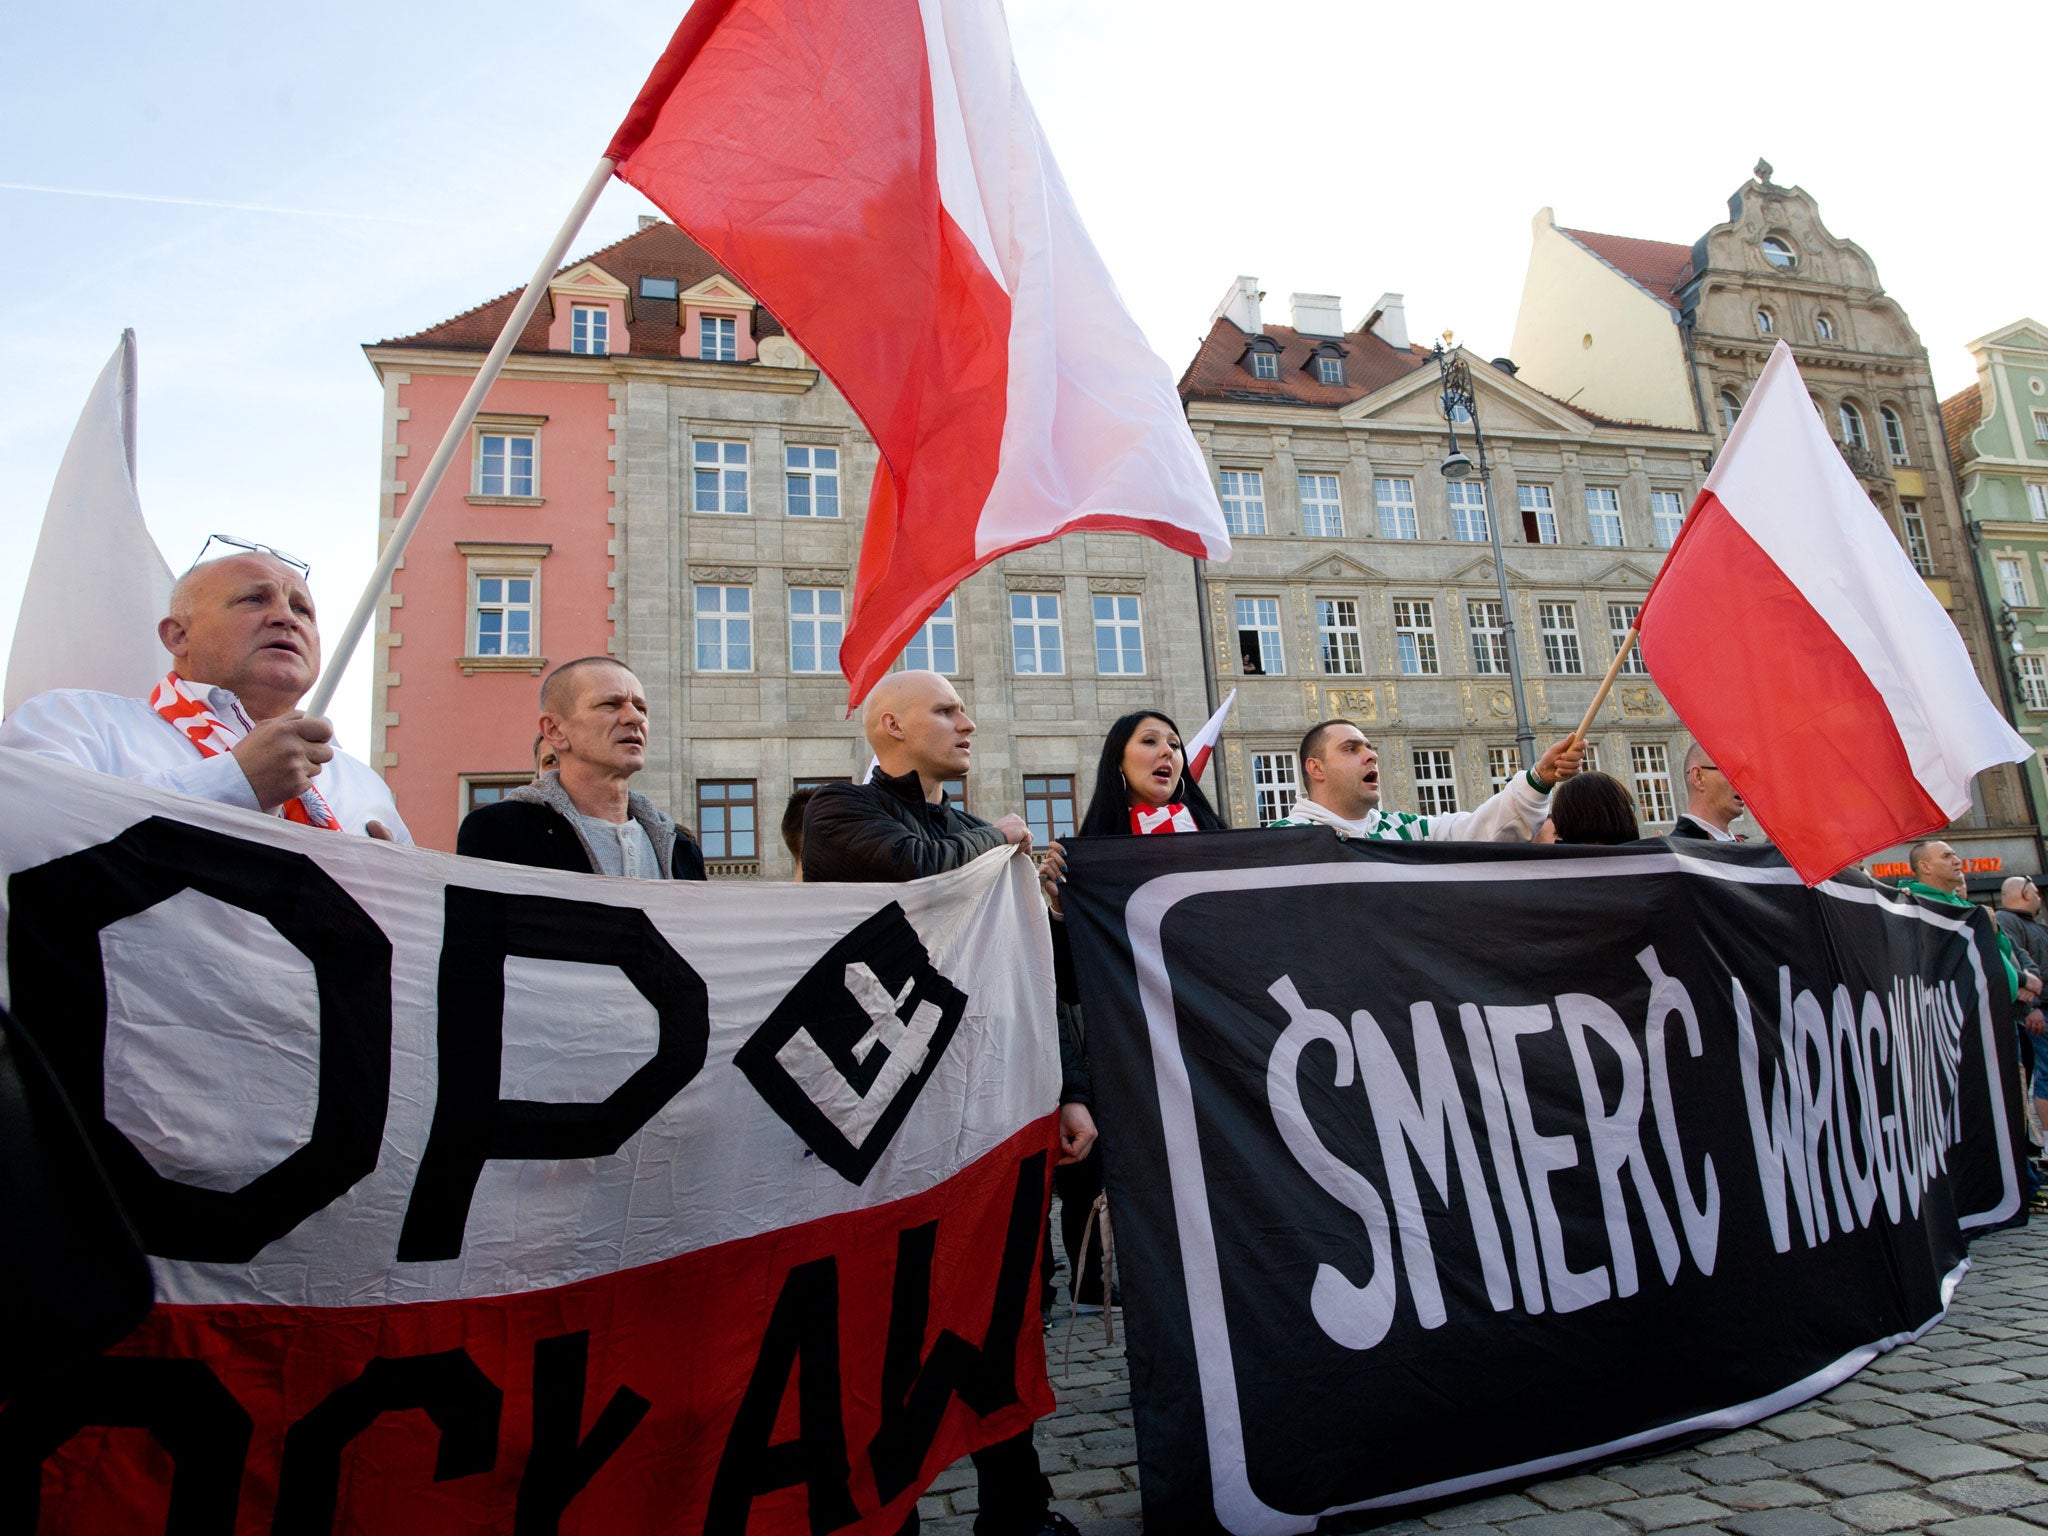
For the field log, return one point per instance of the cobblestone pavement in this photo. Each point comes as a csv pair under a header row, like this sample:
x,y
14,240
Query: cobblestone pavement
x,y
1948,1435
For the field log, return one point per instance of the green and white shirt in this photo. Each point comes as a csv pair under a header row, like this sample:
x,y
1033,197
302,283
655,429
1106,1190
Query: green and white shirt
x,y
1512,816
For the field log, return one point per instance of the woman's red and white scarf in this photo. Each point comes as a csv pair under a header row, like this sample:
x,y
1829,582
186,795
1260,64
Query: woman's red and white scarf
x,y
183,703
1164,818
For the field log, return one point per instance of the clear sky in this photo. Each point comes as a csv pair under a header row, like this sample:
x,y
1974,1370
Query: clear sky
x,y
260,189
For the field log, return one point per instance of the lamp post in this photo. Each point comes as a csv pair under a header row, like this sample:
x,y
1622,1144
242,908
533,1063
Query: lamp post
x,y
1458,396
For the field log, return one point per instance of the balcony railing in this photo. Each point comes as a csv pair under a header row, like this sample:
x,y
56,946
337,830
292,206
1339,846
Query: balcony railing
x,y
732,869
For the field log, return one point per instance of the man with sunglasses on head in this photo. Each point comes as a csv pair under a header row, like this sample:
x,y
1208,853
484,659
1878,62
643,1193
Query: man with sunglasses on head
x,y
224,723
1711,803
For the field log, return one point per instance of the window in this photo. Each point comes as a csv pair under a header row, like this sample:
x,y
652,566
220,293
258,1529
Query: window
x,y
1894,434
504,464
934,648
1119,637
1258,637
1539,517
1652,765
817,623
1852,426
1621,618
1560,638
725,819
480,789
810,478
798,785
1468,510
2033,681
1265,365
1337,627
1396,502
1778,253
1436,783
1764,323
1049,806
1603,515
1731,410
1502,764
718,338
1275,783
2012,583
1485,619
2037,501
1667,516
1823,328
657,288
1329,370
1415,637
1035,634
2041,426
1915,528
504,610
721,478
589,329
1322,508
1244,501
1590,763
725,629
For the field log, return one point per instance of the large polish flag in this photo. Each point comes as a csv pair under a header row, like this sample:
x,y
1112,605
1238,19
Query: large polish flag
x,y
871,171
1796,641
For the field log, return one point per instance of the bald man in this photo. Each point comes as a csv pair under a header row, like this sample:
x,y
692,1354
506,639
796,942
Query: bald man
x,y
224,724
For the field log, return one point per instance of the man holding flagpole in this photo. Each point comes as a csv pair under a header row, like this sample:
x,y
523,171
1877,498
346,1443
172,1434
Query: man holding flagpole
x,y
1340,772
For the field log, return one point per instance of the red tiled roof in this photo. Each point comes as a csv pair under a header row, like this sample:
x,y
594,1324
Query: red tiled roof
x,y
1960,414
660,250
1656,265
1217,371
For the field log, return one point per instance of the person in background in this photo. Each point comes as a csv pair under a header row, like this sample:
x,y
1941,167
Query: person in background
x,y
1711,803
2018,918
1594,808
544,759
793,827
1340,772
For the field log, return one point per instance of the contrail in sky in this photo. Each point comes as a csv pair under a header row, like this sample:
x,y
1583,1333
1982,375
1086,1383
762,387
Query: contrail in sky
x,y
207,202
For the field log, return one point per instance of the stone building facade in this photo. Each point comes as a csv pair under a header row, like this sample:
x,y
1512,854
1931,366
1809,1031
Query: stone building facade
x,y
1362,584
679,487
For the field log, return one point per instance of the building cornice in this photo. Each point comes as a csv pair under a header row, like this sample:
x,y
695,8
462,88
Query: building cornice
x,y
1206,415
564,367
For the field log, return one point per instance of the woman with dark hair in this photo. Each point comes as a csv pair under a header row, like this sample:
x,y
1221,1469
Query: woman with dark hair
x,y
1594,808
1141,782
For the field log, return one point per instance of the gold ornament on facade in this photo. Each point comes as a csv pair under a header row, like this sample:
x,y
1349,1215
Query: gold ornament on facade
x,y
1357,704
1640,702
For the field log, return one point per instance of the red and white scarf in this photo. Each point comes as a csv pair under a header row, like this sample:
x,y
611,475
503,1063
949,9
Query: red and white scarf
x,y
184,704
1165,818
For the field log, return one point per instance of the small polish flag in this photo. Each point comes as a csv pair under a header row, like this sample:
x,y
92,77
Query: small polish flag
x,y
1798,644
1204,744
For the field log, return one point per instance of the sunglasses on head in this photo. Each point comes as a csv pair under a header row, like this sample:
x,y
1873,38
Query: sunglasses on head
x,y
250,546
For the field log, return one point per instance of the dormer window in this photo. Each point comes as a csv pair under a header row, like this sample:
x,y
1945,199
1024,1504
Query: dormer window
x,y
1779,253
1329,367
658,288
1262,358
589,330
718,338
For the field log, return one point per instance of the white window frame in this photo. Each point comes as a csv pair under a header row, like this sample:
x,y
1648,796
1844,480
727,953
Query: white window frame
x,y
1650,767
1340,639
936,645
1894,427
1276,785
813,467
590,329
1265,365
1855,431
1486,622
723,476
1502,764
817,628
1272,646
504,571
718,338
1415,647
2037,500
508,483
1621,618
1823,328
2033,674
1731,410
1393,499
2041,426
1537,501
1119,619
1035,635
1329,370
1914,526
1243,492
1590,763
723,632
1785,259
1560,622
1667,517
1468,510
2012,580
1322,505
1603,516
1435,772
1766,323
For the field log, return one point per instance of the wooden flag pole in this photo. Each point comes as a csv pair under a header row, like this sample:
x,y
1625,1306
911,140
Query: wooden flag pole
x,y
458,429
1600,696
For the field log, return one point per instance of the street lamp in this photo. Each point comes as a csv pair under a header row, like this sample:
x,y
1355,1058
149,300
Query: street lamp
x,y
1459,399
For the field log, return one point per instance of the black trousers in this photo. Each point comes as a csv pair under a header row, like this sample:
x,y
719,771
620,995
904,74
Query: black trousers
x,y
1077,1185
1014,1493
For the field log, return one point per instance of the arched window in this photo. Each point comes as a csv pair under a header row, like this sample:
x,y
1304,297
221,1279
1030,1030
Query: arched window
x,y
1824,328
1764,323
1778,253
1731,408
1852,426
1894,434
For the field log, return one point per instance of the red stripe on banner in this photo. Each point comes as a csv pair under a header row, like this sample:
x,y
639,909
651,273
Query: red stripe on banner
x,y
1772,692
723,1390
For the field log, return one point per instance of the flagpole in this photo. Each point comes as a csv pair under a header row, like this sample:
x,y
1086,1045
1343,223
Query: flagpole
x,y
458,429
1600,695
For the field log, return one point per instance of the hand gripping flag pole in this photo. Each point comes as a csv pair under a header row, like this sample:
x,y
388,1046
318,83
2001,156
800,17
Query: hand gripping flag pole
x,y
458,428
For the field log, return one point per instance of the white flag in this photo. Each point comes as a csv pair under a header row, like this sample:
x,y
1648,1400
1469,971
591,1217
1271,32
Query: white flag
x,y
98,583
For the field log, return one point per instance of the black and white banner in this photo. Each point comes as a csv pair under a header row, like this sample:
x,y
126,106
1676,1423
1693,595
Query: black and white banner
x,y
1438,1167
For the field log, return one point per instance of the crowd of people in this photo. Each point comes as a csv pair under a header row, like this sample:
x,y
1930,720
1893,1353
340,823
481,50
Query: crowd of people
x,y
244,643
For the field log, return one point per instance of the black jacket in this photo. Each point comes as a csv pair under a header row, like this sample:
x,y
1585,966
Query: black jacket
x,y
1687,827
886,832
531,826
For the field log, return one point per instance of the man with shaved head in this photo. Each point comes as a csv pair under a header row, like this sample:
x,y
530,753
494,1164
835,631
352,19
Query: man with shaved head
x,y
224,724
1711,803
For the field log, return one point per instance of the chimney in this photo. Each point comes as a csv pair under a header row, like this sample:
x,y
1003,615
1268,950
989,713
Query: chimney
x,y
1240,306
1317,314
1389,321
647,221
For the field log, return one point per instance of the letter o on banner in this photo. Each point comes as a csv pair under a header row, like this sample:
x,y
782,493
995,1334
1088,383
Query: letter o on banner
x,y
57,980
